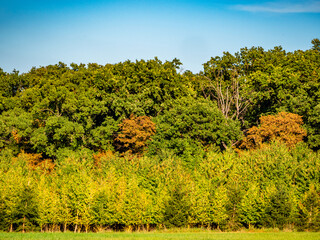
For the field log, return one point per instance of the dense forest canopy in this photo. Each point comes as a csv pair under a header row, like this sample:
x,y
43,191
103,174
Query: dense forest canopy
x,y
142,144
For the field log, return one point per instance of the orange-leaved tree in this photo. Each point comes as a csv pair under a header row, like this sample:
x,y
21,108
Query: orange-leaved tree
x,y
36,161
134,134
284,127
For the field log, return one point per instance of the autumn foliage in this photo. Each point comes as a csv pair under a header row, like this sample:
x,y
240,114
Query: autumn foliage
x,y
134,134
36,161
100,157
284,127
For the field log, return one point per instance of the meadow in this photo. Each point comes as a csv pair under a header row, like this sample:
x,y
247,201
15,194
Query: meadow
x,y
166,236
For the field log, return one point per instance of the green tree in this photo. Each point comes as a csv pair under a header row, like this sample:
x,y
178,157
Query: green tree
x,y
219,210
269,81
76,190
279,208
188,126
252,207
316,44
48,204
309,210
27,212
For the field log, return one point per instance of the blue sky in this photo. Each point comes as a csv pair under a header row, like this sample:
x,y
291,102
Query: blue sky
x,y
39,33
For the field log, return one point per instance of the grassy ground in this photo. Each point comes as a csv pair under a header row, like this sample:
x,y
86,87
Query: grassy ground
x,y
165,236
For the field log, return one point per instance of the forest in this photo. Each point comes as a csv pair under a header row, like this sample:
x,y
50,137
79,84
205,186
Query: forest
x,y
144,145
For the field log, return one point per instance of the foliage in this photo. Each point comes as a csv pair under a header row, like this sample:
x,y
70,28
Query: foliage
x,y
309,210
251,207
316,44
269,187
141,145
278,208
56,108
268,82
189,125
134,134
284,127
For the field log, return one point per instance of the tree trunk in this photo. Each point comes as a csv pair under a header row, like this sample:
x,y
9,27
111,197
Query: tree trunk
x,y
23,223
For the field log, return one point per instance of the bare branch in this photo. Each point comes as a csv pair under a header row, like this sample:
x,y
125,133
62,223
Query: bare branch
x,y
228,98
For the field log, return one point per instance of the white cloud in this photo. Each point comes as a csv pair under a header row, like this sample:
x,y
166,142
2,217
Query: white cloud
x,y
283,7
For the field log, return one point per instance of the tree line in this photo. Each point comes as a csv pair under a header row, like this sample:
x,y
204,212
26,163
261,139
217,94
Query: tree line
x,y
272,187
143,145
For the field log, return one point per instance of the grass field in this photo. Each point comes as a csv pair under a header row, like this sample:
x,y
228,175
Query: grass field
x,y
164,236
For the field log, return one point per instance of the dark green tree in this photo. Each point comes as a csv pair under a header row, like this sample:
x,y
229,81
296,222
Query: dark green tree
x,y
26,212
316,44
278,210
177,210
309,211
187,126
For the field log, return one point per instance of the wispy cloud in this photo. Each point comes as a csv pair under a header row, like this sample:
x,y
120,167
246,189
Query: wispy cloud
x,y
283,7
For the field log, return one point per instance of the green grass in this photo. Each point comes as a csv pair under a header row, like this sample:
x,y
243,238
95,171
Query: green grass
x,y
165,236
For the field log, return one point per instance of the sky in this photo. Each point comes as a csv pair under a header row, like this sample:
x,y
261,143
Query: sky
x,y
36,33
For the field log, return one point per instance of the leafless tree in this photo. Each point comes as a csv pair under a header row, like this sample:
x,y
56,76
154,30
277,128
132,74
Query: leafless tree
x,y
228,96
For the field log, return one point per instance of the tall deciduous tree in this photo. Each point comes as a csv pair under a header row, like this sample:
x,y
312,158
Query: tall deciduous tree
x,y
187,126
